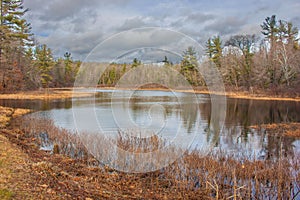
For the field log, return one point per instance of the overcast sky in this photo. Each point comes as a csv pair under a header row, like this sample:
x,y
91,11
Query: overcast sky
x,y
78,26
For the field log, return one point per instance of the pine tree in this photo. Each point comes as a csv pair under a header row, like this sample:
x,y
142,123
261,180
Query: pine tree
x,y
214,50
135,63
287,33
44,63
68,68
283,37
14,27
15,37
166,61
270,29
31,74
209,49
189,65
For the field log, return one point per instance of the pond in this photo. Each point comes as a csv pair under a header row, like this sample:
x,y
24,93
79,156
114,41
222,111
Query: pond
x,y
167,114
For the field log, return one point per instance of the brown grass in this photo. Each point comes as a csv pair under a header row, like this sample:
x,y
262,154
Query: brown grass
x,y
285,129
193,176
6,114
49,94
65,93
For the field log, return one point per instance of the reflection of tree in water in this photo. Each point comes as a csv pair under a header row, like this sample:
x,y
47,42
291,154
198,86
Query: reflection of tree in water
x,y
137,107
189,112
251,112
212,134
243,113
278,146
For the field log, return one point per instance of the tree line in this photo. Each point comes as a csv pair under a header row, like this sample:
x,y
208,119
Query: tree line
x,y
25,64
245,62
271,63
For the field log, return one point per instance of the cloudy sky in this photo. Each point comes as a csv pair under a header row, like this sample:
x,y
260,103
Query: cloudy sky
x,y
78,26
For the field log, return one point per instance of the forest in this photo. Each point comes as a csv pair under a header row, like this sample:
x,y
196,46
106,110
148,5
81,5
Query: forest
x,y
266,62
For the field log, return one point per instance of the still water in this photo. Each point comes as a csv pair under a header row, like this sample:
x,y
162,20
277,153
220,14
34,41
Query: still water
x,y
171,115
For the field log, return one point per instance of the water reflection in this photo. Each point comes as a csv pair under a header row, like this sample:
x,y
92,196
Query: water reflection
x,y
37,105
180,111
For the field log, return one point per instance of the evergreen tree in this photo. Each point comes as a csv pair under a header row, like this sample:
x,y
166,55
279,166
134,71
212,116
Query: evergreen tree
x,y
68,68
166,61
287,33
135,63
15,37
214,50
283,37
44,63
270,29
189,66
13,26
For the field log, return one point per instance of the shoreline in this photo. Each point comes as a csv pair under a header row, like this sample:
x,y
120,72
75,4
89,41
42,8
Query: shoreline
x,y
67,93
229,94
57,175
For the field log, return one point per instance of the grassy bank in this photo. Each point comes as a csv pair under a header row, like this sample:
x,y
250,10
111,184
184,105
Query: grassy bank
x,y
16,178
65,93
283,129
50,94
7,114
70,170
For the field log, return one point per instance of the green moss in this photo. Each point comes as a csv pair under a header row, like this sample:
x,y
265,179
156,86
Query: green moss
x,y
5,194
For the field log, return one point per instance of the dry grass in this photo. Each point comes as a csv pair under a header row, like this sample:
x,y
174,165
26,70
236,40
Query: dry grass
x,y
49,94
285,129
138,144
17,179
66,93
192,176
6,114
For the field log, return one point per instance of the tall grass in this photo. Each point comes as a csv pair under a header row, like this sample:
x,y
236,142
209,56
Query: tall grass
x,y
193,175
51,137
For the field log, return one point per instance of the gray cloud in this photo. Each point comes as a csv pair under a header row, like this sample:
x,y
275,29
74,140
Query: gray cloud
x,y
78,26
199,18
225,26
135,22
296,21
139,40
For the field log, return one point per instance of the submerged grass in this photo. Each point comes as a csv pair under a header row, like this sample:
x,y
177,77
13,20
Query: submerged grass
x,y
192,176
285,129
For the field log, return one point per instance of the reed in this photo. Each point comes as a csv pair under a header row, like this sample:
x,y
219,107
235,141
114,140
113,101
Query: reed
x,y
192,176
